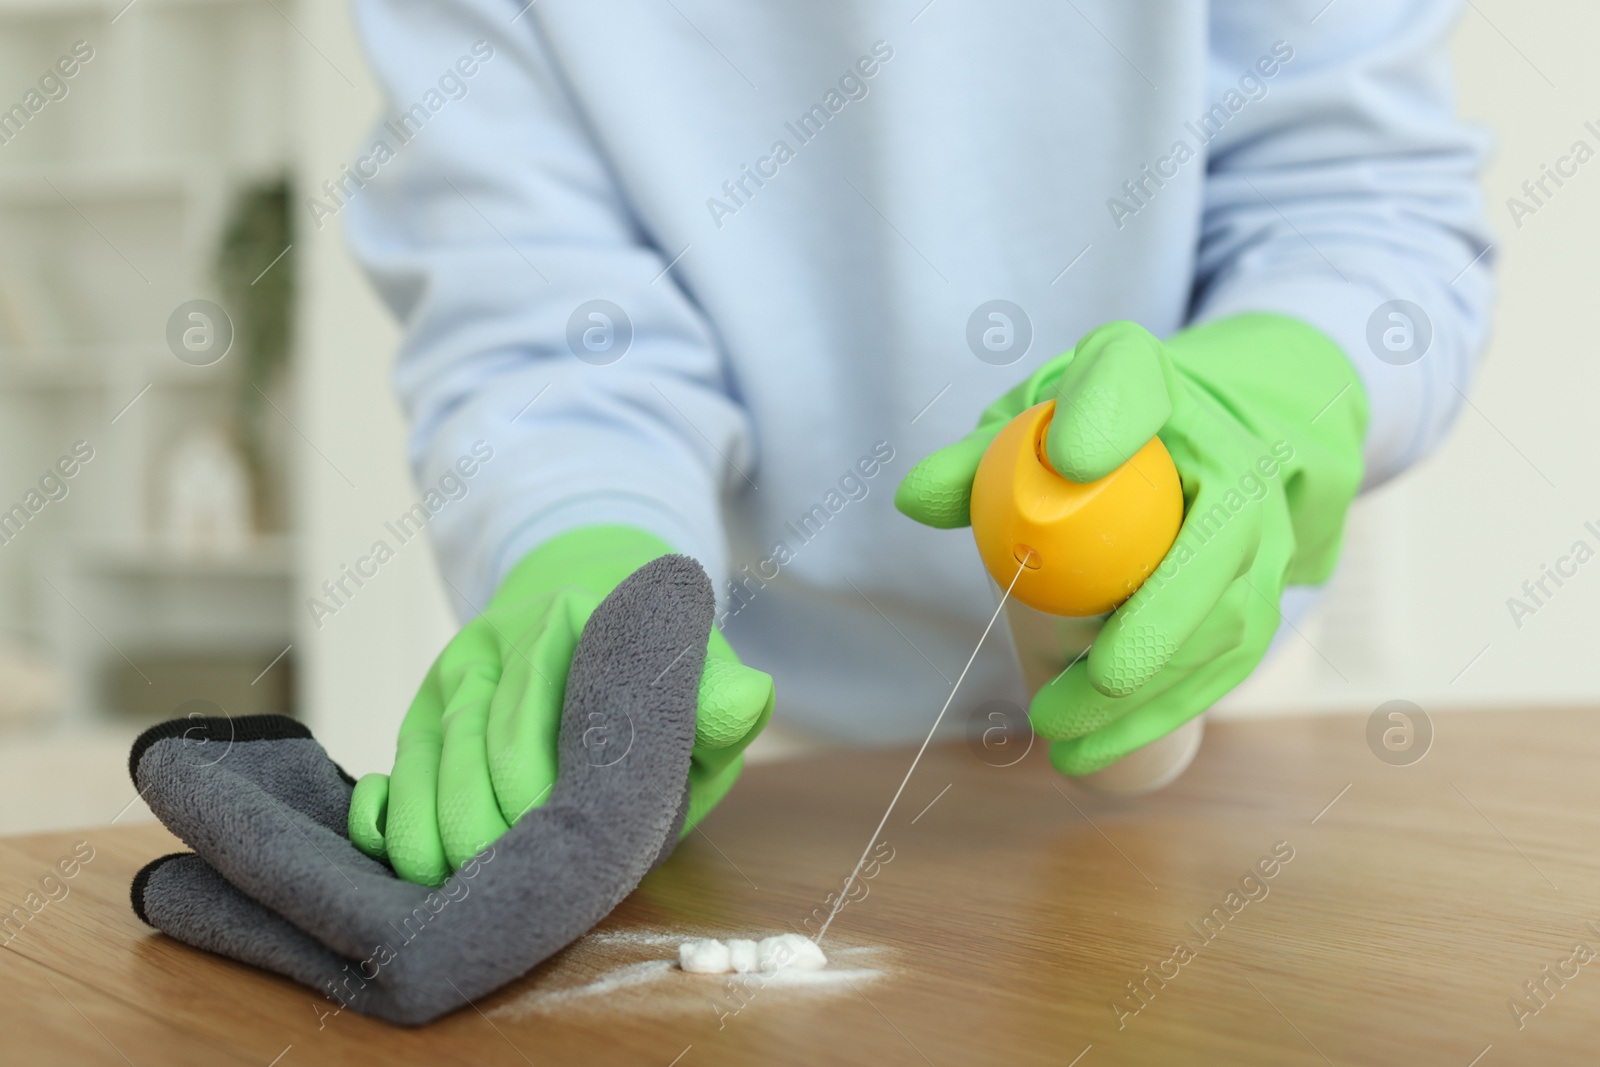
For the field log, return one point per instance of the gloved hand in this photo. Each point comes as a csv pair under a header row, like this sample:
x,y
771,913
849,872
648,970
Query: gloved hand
x,y
477,749
1264,418
274,882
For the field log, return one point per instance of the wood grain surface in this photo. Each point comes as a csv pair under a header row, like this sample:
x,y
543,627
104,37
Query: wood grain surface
x,y
1001,924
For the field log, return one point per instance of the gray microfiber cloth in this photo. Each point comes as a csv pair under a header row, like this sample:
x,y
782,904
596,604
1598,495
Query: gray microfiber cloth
x,y
274,881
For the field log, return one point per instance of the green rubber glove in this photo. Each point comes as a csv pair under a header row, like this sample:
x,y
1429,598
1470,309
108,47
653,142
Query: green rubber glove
x,y
1264,418
477,749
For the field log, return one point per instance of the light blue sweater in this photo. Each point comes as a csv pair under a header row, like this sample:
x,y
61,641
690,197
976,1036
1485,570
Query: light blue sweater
x,y
726,270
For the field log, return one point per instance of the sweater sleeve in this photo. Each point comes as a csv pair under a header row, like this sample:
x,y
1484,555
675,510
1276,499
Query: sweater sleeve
x,y
1341,190
543,324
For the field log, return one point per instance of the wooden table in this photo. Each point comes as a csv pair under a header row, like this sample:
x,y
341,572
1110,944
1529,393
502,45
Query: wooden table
x,y
1001,924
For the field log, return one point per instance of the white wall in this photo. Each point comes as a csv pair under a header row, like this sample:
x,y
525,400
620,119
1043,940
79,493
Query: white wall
x,y
361,667
1430,559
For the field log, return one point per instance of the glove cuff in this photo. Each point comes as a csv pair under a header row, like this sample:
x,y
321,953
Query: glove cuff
x,y
596,558
1292,386
1277,371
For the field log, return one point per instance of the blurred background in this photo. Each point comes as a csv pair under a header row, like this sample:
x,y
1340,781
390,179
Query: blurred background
x,y
167,177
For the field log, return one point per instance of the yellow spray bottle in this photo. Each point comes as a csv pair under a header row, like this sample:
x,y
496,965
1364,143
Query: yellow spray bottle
x,y
1082,549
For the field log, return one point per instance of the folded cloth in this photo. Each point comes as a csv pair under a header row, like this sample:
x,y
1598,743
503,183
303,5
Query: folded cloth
x,y
274,881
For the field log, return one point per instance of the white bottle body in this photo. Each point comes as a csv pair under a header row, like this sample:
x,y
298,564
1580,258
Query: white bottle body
x,y
1047,645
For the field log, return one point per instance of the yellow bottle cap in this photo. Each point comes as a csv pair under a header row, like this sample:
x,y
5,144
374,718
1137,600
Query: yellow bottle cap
x,y
1083,547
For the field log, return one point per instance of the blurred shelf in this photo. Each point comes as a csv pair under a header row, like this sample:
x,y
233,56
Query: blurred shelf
x,y
269,557
94,368
191,103
151,178
109,8
139,630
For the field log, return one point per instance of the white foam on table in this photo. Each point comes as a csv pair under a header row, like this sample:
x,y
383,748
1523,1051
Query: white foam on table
x,y
738,955
704,955
597,975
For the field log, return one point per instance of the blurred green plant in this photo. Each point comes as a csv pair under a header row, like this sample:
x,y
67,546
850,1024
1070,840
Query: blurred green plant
x,y
255,270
